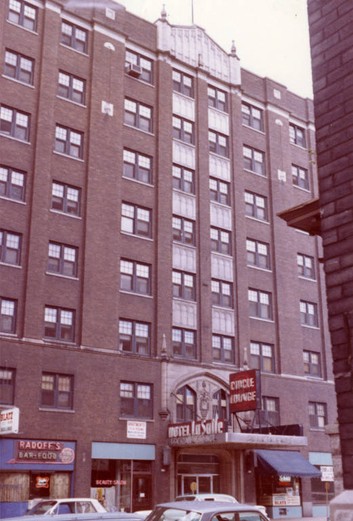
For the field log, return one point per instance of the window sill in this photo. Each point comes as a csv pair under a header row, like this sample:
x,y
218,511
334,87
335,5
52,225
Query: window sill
x,y
254,267
11,265
60,275
139,129
68,156
135,419
67,214
263,176
262,132
149,239
54,409
75,50
72,101
12,200
15,80
256,219
317,328
124,292
21,27
269,320
15,139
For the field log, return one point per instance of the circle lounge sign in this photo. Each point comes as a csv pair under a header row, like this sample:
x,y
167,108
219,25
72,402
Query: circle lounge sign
x,y
245,391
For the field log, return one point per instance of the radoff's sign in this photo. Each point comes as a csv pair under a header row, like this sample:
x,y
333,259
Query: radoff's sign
x,y
245,391
195,432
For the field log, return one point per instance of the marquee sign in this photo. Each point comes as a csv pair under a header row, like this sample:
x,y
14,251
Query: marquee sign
x,y
195,431
245,391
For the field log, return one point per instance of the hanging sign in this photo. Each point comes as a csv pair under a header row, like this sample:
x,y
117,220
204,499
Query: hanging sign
x,y
245,391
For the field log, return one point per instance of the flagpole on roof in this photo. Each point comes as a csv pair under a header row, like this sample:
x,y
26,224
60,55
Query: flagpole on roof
x,y
192,12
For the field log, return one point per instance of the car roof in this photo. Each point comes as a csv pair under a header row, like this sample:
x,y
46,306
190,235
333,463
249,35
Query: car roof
x,y
208,506
91,516
215,497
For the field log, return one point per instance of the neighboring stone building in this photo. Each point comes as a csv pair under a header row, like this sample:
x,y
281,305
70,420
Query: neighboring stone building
x,y
143,262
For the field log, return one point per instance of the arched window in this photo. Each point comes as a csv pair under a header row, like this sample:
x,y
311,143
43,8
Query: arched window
x,y
186,404
220,405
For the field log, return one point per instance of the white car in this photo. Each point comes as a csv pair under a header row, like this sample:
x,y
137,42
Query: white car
x,y
73,505
216,497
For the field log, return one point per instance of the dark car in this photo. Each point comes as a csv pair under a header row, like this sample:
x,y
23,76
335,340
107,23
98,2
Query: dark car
x,y
205,511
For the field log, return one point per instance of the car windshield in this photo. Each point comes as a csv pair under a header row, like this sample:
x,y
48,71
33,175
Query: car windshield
x,y
173,514
41,508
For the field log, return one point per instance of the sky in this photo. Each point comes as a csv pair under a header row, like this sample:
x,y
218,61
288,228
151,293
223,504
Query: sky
x,y
271,36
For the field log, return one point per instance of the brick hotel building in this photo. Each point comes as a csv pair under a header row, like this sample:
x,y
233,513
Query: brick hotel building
x,y
143,261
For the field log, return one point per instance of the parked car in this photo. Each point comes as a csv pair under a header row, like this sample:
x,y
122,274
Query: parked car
x,y
90,516
73,505
205,511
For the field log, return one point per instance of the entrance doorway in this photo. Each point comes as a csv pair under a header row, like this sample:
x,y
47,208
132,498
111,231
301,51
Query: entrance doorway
x,y
197,484
197,474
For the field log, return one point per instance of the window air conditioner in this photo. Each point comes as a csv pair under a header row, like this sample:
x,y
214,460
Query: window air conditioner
x,y
134,70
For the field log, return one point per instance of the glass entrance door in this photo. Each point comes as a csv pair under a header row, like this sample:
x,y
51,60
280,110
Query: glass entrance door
x,y
197,484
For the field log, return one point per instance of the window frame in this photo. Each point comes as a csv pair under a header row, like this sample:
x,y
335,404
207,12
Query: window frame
x,y
9,381
6,251
21,15
134,220
57,380
251,163
14,127
8,304
181,289
297,135
181,133
181,182
220,407
60,326
303,269
215,101
135,118
71,40
180,86
256,307
70,90
65,198
183,349
139,60
134,277
219,246
184,395
300,177
258,212
135,405
181,234
254,257
134,336
65,266
18,68
7,186
143,175
307,318
217,195
315,418
248,116
310,368
225,355
272,414
260,359
221,298
68,147
214,143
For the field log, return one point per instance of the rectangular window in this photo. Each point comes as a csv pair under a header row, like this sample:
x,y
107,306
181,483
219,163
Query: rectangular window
x,y
317,415
184,343
260,304
66,199
135,277
18,67
134,337
14,123
312,364
136,220
68,142
183,83
138,115
258,254
12,183
8,314
270,411
22,13
221,241
183,179
59,324
306,266
262,357
219,191
218,99
71,87
222,293
62,259
183,230
297,135
254,160
137,166
136,400
183,130
74,37
308,314
184,285
7,386
300,177
218,143
57,391
256,206
10,247
138,66
252,116
223,349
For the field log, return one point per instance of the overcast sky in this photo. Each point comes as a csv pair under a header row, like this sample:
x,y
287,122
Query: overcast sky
x,y
271,36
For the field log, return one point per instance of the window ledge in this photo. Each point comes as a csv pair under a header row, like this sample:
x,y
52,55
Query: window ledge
x,y
128,234
263,176
15,80
135,419
73,49
268,270
60,275
269,320
256,219
12,200
139,129
15,139
54,409
135,294
67,214
21,27
11,265
68,156
72,101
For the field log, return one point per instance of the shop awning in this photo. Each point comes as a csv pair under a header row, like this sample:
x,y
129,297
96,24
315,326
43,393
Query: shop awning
x,y
286,463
